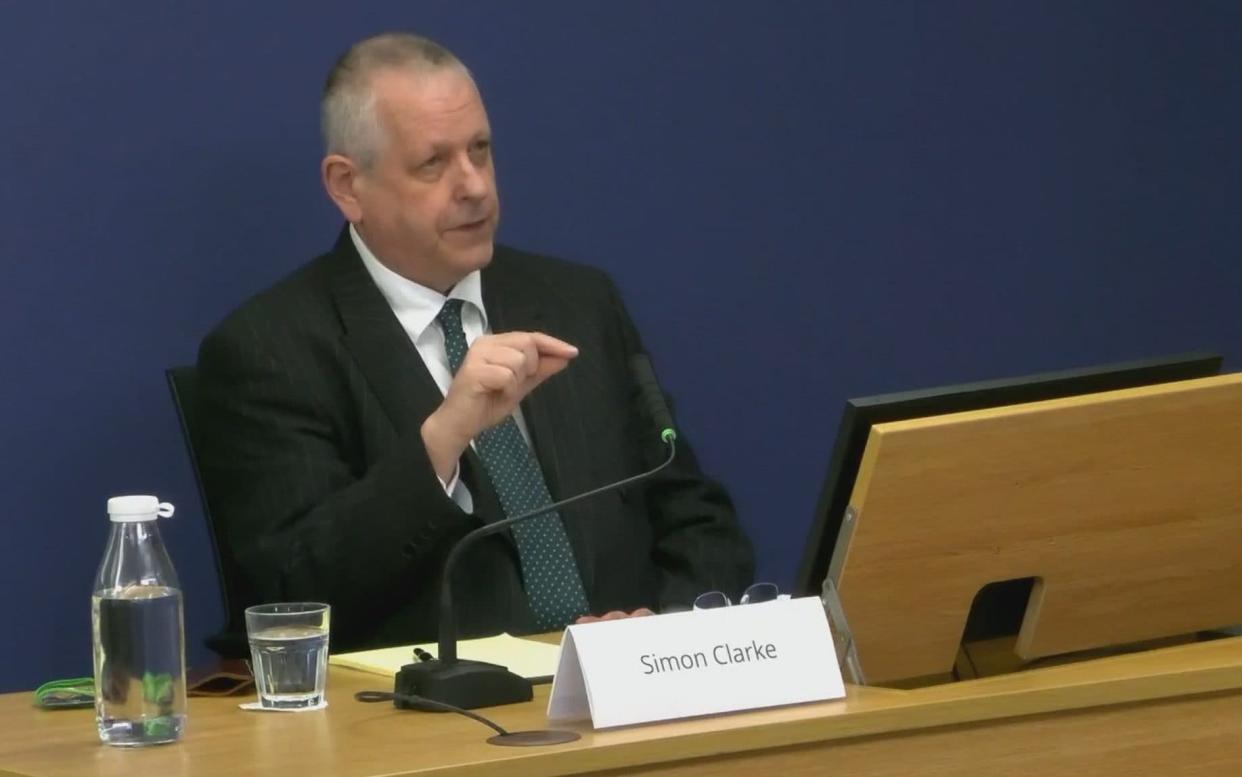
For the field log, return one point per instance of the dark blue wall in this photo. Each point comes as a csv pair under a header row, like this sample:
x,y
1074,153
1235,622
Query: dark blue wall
x,y
803,201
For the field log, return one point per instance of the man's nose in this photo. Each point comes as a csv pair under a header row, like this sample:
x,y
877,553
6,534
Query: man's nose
x,y
472,180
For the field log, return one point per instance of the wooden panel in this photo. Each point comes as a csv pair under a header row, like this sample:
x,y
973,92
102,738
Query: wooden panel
x,y
1126,506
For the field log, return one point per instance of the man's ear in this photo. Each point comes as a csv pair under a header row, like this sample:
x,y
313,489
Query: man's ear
x,y
341,179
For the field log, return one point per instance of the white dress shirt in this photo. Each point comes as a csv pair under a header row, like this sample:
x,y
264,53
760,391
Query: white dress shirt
x,y
416,308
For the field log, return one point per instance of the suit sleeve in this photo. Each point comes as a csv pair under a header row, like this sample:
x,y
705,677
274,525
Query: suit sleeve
x,y
698,544
302,522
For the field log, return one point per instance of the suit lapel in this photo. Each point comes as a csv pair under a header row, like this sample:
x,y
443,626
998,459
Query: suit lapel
x,y
388,360
408,394
396,372
517,302
379,345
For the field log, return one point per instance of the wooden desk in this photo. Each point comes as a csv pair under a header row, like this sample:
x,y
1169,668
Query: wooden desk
x,y
1174,711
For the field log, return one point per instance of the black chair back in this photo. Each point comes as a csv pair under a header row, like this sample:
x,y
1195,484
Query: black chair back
x,y
183,383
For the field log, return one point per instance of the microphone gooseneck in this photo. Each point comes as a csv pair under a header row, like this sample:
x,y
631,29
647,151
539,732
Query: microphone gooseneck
x,y
448,620
472,684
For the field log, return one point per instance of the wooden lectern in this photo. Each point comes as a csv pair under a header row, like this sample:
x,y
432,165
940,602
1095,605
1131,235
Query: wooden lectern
x,y
1124,506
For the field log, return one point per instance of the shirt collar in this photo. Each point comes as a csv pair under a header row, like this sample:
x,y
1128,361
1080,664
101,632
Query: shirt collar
x,y
415,305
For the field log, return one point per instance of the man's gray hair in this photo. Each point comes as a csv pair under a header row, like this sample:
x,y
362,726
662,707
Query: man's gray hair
x,y
347,116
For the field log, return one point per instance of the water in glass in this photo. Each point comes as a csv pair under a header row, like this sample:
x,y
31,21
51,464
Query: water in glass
x,y
290,665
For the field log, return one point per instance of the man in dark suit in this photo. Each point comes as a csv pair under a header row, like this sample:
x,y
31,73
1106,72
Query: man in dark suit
x,y
417,380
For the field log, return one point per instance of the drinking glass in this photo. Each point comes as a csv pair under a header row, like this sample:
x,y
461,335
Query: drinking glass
x,y
289,653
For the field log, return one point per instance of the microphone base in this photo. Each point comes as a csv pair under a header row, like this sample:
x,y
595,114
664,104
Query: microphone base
x,y
465,684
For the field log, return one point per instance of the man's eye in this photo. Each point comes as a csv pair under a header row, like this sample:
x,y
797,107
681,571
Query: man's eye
x,y
431,163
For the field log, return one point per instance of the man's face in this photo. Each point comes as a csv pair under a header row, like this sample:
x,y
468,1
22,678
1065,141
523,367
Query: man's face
x,y
428,206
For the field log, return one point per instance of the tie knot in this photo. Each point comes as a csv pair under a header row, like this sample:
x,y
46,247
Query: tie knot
x,y
450,315
451,312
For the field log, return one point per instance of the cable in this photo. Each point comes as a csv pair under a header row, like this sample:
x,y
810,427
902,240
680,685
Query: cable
x,y
420,702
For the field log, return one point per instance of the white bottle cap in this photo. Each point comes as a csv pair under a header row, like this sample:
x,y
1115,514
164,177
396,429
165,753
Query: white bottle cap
x,y
127,509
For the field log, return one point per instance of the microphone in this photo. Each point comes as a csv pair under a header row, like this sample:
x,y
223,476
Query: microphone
x,y
657,408
474,684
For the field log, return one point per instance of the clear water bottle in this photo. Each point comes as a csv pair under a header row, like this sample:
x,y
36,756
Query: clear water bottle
x,y
139,635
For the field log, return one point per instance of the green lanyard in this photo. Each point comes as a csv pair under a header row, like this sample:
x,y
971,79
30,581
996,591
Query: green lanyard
x,y
76,692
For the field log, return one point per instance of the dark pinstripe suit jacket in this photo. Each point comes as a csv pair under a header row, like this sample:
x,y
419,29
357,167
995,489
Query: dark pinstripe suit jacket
x,y
311,399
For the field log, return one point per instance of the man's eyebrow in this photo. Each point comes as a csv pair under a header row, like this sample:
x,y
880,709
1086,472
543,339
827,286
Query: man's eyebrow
x,y
441,147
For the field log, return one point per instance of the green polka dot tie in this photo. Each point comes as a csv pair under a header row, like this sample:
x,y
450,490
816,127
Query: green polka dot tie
x,y
553,584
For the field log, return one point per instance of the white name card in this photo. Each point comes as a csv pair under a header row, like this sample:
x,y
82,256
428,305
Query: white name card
x,y
664,667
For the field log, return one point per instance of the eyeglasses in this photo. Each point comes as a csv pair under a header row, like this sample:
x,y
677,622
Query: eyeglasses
x,y
756,594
